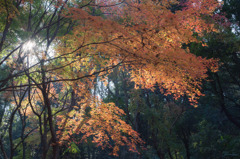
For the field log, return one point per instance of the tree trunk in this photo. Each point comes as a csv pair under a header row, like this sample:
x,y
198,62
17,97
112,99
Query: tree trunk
x,y
220,93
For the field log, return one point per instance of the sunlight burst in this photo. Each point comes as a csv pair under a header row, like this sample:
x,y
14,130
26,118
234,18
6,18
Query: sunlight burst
x,y
29,45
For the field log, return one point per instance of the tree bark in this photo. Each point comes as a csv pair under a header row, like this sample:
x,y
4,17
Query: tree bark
x,y
220,93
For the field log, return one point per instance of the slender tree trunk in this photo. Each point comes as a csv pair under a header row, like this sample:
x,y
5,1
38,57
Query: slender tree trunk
x,y
47,104
2,149
23,117
55,145
185,140
186,144
44,143
126,98
220,93
160,154
169,153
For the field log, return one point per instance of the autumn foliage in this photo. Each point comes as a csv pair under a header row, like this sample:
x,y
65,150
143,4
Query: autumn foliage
x,y
148,38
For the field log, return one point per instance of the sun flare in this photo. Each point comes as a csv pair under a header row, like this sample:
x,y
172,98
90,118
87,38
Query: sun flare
x,y
29,45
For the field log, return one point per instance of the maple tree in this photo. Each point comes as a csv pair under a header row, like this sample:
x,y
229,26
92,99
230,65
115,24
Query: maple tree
x,y
89,39
149,40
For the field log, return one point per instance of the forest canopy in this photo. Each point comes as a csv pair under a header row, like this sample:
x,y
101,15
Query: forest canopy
x,y
81,78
